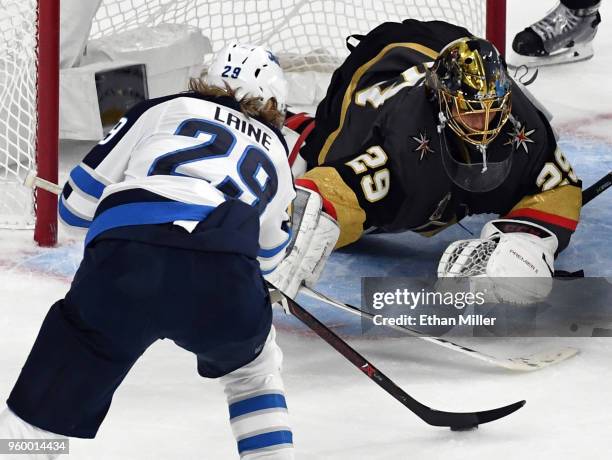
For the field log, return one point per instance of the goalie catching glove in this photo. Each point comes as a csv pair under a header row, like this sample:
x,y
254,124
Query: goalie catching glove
x,y
314,235
512,261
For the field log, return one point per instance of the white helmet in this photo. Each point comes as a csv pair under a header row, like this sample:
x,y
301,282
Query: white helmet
x,y
249,70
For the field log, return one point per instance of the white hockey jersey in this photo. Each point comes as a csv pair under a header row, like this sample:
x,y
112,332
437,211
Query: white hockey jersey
x,y
175,159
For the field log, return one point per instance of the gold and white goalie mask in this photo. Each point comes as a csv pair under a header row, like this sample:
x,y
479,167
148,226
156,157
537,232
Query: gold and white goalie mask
x,y
473,90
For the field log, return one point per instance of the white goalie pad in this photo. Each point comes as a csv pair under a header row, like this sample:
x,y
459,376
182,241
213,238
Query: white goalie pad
x,y
315,234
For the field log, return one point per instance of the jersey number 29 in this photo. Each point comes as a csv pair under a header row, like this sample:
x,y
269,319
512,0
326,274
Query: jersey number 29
x,y
255,169
375,186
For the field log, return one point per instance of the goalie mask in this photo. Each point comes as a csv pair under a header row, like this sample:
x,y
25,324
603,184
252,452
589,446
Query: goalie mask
x,y
250,70
472,87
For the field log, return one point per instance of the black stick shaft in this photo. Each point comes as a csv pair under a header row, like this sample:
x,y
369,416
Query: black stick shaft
x,y
597,188
455,420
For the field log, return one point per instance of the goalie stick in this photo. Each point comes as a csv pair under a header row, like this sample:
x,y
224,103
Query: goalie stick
x,y
33,181
527,363
457,421
531,362
597,188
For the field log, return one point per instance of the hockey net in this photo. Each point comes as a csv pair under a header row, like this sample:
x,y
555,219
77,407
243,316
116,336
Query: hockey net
x,y
313,32
17,110
29,29
307,35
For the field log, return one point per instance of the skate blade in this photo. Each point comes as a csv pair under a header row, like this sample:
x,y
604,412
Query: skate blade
x,y
576,53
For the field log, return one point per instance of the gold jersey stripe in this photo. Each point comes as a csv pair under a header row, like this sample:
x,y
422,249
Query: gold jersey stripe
x,y
564,201
348,95
351,216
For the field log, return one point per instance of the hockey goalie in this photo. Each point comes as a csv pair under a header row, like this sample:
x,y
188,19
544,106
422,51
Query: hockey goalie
x,y
422,126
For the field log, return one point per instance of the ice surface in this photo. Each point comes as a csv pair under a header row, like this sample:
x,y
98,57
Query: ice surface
x,y
165,411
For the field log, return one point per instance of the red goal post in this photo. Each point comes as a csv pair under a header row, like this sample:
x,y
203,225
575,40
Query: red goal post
x,y
30,61
47,138
496,24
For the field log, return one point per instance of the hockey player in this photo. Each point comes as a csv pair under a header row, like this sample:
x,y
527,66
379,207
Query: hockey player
x,y
565,34
185,203
422,126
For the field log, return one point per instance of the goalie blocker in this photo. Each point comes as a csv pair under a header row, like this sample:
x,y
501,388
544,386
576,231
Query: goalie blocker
x,y
314,235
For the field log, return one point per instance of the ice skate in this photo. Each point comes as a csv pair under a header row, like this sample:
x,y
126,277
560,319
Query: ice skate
x,y
564,35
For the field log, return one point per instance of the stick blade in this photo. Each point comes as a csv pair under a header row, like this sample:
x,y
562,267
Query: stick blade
x,y
496,414
30,179
463,421
540,360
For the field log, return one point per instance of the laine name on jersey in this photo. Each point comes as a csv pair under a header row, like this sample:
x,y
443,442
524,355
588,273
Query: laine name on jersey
x,y
245,127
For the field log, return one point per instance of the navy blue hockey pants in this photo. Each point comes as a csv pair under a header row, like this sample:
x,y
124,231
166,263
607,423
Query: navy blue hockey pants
x,y
126,295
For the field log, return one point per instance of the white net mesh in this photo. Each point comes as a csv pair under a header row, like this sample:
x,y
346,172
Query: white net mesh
x,y
296,27
307,34
17,110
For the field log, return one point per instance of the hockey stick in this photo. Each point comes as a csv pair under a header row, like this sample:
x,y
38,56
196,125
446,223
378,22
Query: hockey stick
x,y
597,188
527,363
531,362
33,181
454,420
